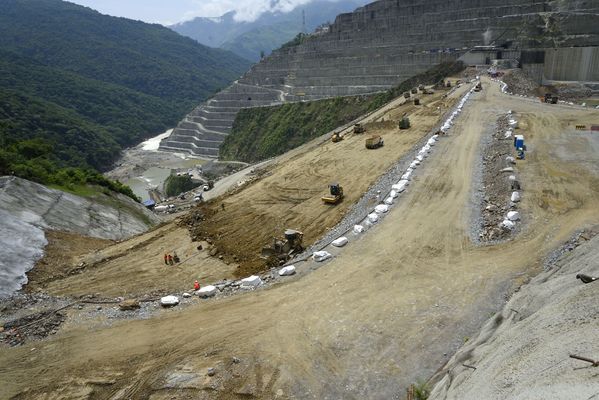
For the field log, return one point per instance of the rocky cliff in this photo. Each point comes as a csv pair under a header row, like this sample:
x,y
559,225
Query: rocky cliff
x,y
381,44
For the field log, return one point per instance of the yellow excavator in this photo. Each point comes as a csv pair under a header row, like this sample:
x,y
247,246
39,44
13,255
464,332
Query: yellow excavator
x,y
336,194
283,249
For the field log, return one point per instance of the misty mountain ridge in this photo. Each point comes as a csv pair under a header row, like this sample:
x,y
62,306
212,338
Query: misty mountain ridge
x,y
248,39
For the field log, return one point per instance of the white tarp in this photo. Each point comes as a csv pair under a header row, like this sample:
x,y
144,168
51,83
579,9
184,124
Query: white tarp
x,y
251,281
381,208
319,256
342,241
513,215
373,218
515,197
207,291
288,270
168,301
358,229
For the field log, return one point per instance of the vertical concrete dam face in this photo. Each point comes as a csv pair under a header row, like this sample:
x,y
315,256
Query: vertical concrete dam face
x,y
381,44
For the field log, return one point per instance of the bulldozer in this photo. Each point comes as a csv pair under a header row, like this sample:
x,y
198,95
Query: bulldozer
x,y
336,194
550,98
283,249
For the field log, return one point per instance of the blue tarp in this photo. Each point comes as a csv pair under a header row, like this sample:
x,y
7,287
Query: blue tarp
x,y
149,203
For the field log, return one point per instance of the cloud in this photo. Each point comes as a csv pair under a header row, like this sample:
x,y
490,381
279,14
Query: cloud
x,y
245,10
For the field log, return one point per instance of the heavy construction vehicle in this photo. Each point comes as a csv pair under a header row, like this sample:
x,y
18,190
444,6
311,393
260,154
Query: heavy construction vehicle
x,y
478,87
549,98
421,88
416,101
358,128
414,90
336,137
283,249
407,95
336,194
404,123
374,142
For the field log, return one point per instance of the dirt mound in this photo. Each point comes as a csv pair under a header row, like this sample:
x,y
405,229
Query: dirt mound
x,y
519,82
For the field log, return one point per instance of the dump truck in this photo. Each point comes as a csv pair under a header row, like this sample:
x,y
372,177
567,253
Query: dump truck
x,y
335,194
358,128
374,142
282,249
404,123
336,137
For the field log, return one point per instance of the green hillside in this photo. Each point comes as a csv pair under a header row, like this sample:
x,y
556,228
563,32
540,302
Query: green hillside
x,y
80,86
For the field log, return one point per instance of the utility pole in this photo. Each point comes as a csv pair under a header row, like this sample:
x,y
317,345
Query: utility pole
x,y
303,21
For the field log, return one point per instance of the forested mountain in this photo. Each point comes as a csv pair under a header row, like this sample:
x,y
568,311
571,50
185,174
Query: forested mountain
x,y
268,32
77,86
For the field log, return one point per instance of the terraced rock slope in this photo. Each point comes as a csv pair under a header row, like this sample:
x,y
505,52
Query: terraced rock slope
x,y
379,45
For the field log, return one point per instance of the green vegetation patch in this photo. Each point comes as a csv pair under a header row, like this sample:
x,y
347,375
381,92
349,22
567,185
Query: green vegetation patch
x,y
176,185
260,133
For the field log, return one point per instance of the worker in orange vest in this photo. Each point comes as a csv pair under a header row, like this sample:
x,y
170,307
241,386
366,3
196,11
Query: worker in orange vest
x,y
196,285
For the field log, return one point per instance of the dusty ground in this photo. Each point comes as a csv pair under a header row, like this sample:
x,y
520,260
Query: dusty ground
x,y
390,309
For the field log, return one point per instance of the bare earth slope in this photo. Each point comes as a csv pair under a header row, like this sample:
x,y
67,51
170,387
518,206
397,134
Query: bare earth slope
x,y
382,314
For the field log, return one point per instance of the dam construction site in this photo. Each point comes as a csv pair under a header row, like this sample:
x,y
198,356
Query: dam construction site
x,y
439,241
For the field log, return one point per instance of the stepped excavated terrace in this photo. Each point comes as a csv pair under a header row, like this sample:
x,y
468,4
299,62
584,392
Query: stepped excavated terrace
x,y
385,42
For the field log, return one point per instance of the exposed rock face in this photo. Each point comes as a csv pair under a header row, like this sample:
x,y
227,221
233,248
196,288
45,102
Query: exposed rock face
x,y
381,44
27,208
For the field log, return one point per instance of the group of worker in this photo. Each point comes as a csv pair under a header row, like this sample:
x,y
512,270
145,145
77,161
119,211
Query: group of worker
x,y
171,259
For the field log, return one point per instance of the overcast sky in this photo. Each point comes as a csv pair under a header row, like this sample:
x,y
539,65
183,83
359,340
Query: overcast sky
x,y
168,12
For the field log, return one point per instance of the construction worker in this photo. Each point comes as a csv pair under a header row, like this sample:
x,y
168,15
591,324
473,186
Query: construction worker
x,y
176,258
222,205
165,259
196,285
170,259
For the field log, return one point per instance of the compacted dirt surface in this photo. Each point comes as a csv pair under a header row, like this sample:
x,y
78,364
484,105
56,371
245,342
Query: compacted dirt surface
x,y
388,310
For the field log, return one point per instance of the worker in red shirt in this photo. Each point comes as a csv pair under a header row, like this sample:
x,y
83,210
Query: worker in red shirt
x,y
196,285
165,259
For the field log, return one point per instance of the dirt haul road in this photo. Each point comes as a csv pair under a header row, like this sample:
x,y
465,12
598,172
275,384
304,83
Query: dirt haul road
x,y
289,196
377,317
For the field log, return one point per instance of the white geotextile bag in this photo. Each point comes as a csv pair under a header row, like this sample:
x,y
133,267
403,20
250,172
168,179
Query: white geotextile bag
x,y
381,209
513,215
393,194
400,186
510,159
251,281
167,301
507,224
431,142
406,176
413,165
512,177
358,229
389,200
342,241
515,197
420,157
288,270
207,291
320,256
373,218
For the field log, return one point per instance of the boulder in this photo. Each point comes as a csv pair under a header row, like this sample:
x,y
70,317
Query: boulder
x,y
342,241
169,301
127,305
207,291
287,271
320,256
